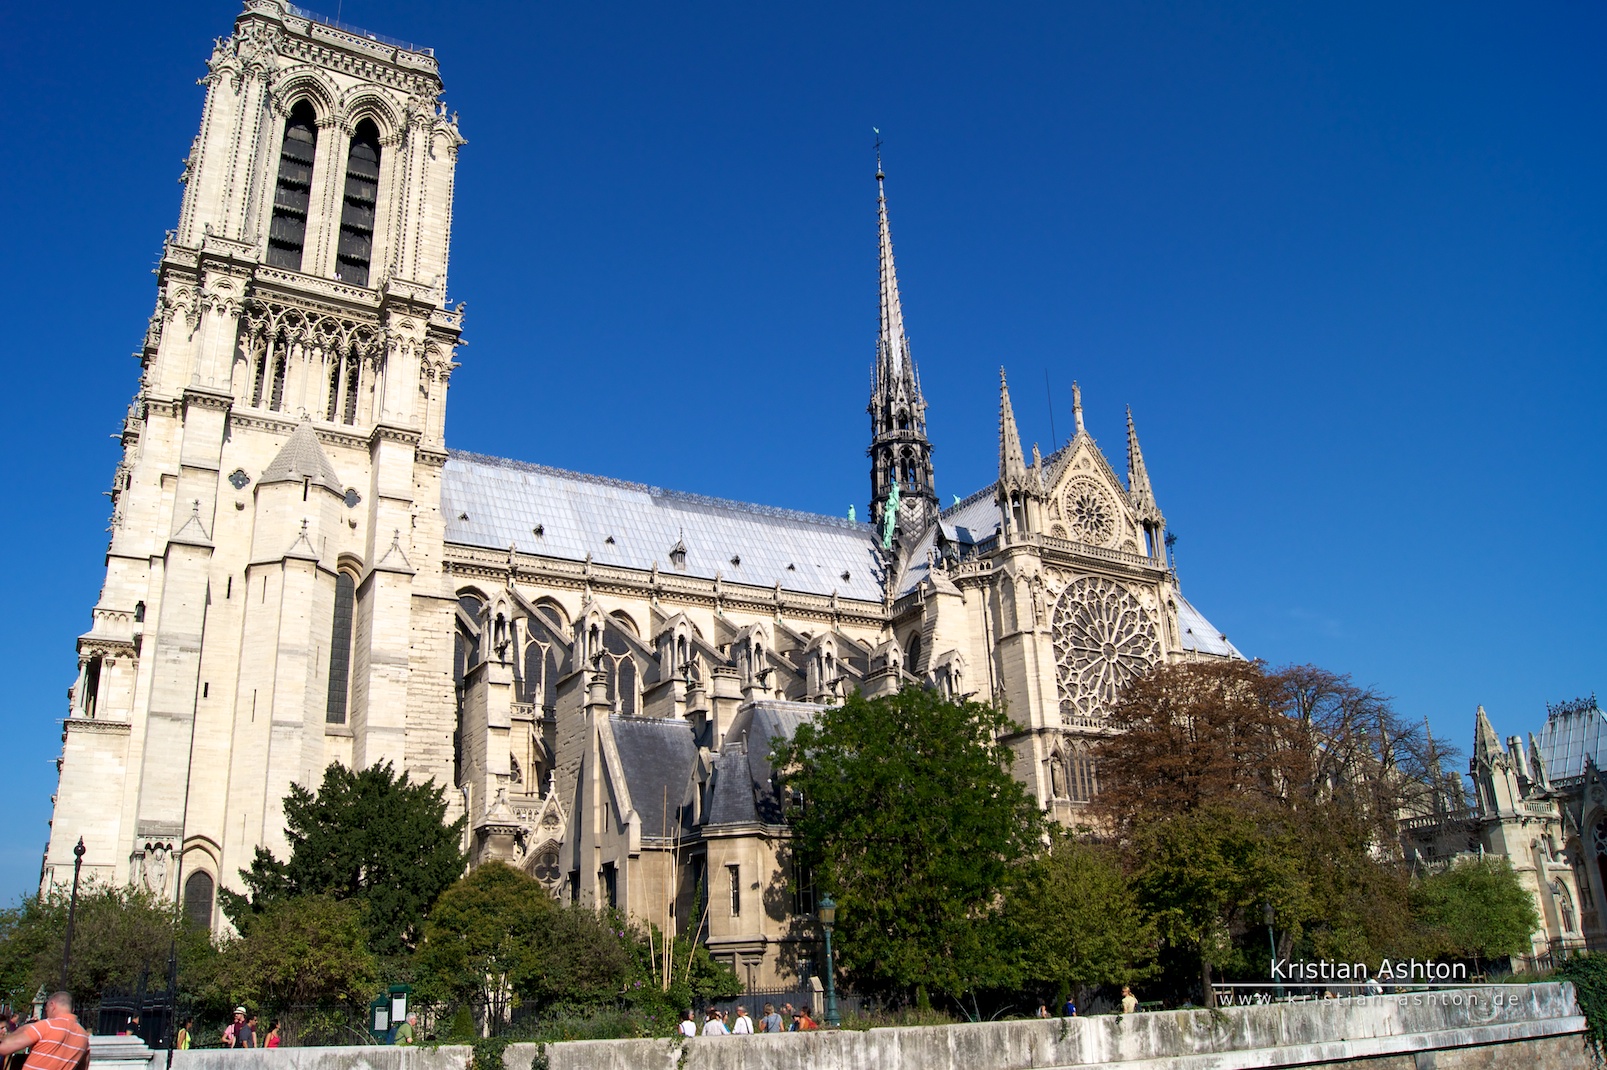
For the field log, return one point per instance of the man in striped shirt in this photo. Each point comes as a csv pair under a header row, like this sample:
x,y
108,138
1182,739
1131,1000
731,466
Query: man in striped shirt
x,y
57,1042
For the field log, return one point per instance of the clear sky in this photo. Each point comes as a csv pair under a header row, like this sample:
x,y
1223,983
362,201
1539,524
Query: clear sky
x,y
1345,261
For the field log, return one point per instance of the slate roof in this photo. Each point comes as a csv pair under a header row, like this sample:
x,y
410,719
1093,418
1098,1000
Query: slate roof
x,y
659,758
493,502
744,791
301,456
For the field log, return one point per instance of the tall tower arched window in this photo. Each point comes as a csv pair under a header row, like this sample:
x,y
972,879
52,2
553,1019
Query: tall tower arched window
x,y
357,211
340,648
287,231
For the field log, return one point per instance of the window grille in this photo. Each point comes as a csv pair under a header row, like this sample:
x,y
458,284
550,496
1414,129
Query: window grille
x,y
357,213
287,231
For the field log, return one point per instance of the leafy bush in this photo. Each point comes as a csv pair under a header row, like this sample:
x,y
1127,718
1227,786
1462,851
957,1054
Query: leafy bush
x,y
1589,975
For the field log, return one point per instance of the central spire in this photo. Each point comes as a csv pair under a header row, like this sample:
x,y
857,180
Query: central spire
x,y
893,363
900,453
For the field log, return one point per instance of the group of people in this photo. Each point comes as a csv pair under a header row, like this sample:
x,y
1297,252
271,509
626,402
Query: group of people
x,y
1129,1005
240,1033
787,1020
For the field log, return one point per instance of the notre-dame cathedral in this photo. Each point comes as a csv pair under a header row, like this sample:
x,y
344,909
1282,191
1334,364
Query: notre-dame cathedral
x,y
302,572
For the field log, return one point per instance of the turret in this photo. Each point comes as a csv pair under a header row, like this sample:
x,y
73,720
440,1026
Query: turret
x,y
1139,491
1020,489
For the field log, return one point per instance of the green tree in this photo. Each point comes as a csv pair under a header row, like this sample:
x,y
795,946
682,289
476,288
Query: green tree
x,y
1476,909
368,836
119,933
487,937
1078,919
304,959
911,819
1210,872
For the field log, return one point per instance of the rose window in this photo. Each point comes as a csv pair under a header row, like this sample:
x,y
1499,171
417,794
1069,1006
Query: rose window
x,y
1103,639
1090,512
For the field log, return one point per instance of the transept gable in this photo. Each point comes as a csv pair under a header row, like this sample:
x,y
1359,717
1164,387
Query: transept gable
x,y
1087,501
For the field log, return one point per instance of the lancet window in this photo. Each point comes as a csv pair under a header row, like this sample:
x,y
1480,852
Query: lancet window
x,y
357,211
287,230
340,648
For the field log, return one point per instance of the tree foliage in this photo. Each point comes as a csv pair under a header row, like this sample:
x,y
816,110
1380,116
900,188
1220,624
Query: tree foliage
x,y
487,936
1232,788
1077,918
298,956
911,819
367,836
119,933
495,939
1477,909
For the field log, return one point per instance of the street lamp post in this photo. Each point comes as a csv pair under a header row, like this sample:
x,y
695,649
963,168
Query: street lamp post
x,y
828,917
1272,942
72,910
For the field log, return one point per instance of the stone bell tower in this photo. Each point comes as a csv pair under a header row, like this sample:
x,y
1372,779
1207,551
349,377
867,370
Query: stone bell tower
x,y
273,598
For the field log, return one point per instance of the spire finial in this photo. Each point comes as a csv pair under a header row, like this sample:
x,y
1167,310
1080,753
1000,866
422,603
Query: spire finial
x,y
1138,485
878,133
1012,465
1076,405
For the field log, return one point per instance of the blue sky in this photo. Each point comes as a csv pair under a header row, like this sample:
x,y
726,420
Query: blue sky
x,y
1346,262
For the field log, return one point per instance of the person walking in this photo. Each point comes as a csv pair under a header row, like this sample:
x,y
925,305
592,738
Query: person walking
x,y
1129,1001
743,1026
185,1036
713,1026
687,1028
55,1042
234,1032
274,1038
407,1032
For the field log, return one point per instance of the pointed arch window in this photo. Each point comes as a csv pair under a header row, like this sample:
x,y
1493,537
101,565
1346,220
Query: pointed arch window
x,y
357,211
198,890
287,230
340,648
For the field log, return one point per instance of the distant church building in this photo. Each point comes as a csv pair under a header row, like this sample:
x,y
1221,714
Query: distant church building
x,y
1544,807
301,572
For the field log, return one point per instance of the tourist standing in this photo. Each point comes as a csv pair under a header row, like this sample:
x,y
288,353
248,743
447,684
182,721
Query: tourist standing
x,y
713,1026
771,1022
274,1038
185,1037
56,1042
1129,1001
805,1020
743,1026
687,1028
234,1032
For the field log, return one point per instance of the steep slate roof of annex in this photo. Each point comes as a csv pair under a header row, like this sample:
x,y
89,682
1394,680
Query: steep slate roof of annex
x,y
658,757
494,502
744,790
299,458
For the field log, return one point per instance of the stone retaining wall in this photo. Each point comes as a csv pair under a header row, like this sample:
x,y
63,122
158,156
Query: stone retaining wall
x,y
376,1057
1526,1027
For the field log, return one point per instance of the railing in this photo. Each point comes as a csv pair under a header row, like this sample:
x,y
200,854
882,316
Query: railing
x,y
357,31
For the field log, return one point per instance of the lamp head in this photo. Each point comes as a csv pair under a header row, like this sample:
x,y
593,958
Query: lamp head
x,y
827,910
